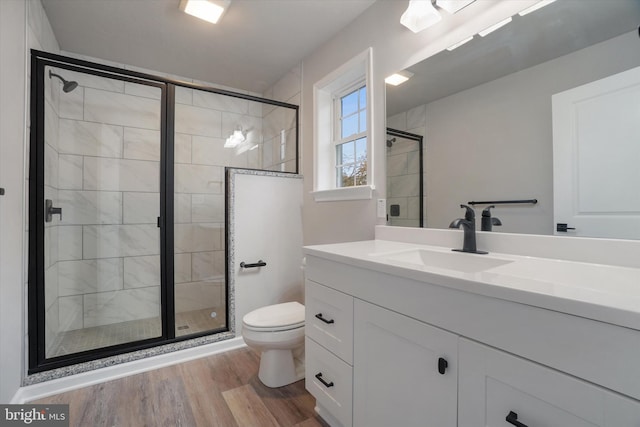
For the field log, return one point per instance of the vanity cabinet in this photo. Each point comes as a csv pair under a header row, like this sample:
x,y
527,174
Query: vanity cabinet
x,y
494,386
402,370
384,353
329,352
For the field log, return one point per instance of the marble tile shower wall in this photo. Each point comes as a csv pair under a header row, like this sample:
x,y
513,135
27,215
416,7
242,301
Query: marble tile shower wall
x,y
403,168
110,264
108,189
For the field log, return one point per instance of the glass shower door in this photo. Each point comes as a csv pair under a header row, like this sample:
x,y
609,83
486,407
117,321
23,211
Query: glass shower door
x,y
102,147
405,198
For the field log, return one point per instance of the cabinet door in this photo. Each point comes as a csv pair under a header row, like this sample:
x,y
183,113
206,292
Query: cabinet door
x,y
396,371
494,384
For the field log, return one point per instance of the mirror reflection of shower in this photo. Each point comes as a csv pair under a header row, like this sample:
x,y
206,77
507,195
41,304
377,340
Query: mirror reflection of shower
x,y
67,85
390,142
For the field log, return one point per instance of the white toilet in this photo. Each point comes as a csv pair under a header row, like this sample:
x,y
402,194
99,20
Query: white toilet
x,y
277,331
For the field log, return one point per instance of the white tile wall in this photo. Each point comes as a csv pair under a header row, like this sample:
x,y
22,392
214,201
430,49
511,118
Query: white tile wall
x,y
110,241
90,207
207,208
218,102
69,242
90,139
141,144
182,148
141,208
198,121
120,109
141,271
70,316
72,104
198,295
121,306
199,179
121,175
89,276
208,266
70,172
198,237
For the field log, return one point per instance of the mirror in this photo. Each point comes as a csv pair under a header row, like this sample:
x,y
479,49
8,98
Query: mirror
x,y
485,108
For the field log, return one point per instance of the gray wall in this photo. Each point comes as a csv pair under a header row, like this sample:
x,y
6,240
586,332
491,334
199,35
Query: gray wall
x,y
494,141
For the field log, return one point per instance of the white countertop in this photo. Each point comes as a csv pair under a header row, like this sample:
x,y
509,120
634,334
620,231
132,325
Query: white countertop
x,y
601,292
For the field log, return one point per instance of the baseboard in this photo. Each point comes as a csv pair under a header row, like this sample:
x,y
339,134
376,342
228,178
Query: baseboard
x,y
84,379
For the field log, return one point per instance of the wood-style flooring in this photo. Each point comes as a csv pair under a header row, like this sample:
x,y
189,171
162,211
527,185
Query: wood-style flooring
x,y
222,390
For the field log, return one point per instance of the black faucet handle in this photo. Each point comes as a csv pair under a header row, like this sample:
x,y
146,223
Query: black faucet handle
x,y
486,213
470,214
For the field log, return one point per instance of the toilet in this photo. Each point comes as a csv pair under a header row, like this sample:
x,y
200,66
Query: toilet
x,y
277,331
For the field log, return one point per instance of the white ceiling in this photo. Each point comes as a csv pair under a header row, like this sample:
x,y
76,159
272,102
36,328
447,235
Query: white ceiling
x,y
253,46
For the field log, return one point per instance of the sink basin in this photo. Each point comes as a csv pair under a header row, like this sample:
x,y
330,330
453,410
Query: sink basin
x,y
456,261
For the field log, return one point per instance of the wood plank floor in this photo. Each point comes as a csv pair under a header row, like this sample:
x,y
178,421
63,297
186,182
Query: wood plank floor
x,y
217,391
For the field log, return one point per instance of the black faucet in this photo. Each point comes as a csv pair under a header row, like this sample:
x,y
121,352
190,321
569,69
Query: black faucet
x,y
469,227
488,222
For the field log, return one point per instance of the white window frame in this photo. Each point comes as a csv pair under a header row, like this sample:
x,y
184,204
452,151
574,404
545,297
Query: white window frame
x,y
337,128
340,82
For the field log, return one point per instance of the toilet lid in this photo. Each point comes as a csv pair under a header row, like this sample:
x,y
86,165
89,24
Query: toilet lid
x,y
288,314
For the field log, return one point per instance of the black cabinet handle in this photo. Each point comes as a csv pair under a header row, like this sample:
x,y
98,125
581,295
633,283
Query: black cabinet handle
x,y
319,316
512,418
562,227
260,263
442,365
326,384
1,191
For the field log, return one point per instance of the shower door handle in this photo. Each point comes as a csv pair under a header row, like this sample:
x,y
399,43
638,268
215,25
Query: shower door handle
x,y
50,211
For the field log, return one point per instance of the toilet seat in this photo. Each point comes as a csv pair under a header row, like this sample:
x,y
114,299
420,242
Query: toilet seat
x,y
273,318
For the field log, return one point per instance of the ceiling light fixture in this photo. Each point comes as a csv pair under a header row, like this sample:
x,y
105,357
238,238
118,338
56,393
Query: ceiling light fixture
x,y
235,139
460,43
398,78
494,27
453,6
420,15
208,10
535,7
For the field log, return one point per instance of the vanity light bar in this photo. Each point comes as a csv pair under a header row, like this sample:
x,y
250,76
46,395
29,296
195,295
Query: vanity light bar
x,y
494,27
460,43
535,7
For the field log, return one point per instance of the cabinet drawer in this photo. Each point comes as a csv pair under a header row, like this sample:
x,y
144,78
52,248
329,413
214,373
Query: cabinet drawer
x,y
329,319
493,384
336,395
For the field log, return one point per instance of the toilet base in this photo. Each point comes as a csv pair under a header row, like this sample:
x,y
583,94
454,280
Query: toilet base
x,y
280,367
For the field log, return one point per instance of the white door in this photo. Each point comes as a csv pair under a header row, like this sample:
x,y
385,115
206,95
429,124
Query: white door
x,y
265,224
596,158
404,372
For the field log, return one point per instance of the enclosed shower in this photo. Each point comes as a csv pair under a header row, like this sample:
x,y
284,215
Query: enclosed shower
x,y
405,179
127,205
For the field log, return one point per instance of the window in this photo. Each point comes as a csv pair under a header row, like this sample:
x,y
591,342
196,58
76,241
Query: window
x,y
351,138
343,153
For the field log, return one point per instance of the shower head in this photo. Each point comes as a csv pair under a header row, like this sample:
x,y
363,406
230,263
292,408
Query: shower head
x,y
390,142
67,86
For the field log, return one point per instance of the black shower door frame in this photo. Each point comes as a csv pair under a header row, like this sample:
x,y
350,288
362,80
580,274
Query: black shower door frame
x,y
37,359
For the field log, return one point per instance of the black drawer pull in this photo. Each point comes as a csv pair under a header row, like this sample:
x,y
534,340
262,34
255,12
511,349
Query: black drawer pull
x,y
442,365
512,418
319,316
326,384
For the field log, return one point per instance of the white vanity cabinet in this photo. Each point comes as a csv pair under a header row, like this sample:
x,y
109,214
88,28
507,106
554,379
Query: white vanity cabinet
x,y
329,352
494,385
546,367
402,370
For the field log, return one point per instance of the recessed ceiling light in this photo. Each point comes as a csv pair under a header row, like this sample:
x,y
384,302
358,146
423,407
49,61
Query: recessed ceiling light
x,y
494,27
535,7
460,43
398,78
453,6
208,10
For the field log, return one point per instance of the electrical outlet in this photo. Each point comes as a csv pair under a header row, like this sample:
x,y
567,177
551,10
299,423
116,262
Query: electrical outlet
x,y
382,208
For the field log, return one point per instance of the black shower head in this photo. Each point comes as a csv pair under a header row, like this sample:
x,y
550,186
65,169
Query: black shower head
x,y
390,142
67,86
